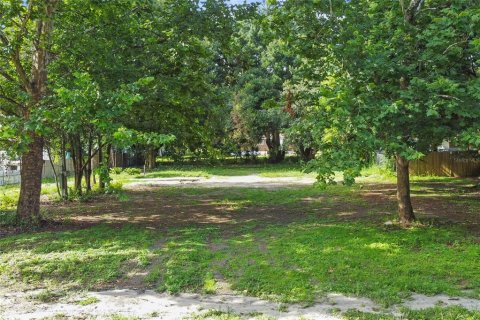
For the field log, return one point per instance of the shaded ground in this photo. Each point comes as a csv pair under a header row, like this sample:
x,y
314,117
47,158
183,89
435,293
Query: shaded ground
x,y
167,202
442,202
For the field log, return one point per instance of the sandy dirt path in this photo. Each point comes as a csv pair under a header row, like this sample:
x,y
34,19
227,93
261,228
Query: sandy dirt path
x,y
152,305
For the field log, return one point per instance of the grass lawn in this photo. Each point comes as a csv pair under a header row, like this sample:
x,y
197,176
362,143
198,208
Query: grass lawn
x,y
264,170
287,244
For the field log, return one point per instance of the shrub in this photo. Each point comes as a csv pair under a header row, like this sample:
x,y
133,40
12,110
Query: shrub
x,y
133,171
116,170
8,201
114,187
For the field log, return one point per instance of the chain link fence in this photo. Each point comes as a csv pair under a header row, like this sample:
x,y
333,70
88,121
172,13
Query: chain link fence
x,y
12,177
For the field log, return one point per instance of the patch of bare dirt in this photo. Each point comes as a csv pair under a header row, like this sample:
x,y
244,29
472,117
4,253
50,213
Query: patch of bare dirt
x,y
158,211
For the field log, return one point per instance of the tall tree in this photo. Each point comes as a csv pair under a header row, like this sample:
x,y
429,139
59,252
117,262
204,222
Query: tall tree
x,y
403,76
25,37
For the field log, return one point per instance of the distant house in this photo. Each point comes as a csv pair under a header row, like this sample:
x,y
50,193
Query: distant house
x,y
447,146
263,148
8,164
9,169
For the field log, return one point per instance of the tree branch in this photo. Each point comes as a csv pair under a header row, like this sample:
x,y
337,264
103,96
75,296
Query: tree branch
x,y
445,96
412,10
4,97
22,75
6,75
92,156
454,44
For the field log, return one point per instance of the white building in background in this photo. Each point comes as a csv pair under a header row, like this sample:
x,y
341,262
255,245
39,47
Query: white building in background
x,y
7,164
9,169
447,146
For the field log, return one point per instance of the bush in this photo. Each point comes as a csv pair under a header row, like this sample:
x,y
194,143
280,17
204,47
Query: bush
x,y
116,170
133,171
8,201
114,187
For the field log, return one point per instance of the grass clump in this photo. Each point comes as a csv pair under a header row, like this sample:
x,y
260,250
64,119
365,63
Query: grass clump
x,y
214,315
87,301
48,296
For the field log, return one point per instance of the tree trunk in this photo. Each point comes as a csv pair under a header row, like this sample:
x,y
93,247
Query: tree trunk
x,y
405,209
88,167
306,153
64,180
101,182
109,156
77,156
275,152
28,208
151,158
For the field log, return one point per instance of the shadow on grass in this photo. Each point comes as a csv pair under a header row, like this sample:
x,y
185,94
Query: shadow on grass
x,y
83,258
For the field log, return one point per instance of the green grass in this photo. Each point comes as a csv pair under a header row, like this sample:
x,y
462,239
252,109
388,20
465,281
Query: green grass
x,y
82,259
266,170
48,296
185,262
236,198
223,315
301,261
450,313
87,301
353,258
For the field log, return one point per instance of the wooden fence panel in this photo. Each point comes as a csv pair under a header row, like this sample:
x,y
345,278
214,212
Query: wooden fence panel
x,y
447,164
47,171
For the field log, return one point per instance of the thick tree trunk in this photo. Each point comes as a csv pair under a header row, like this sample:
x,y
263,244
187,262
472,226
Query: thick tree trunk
x,y
31,181
306,153
405,209
28,207
275,152
151,158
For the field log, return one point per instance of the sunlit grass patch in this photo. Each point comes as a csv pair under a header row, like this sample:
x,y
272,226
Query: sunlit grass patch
x,y
240,197
264,169
84,258
302,261
353,258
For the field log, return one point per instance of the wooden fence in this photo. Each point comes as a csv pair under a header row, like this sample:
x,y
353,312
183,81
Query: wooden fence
x,y
447,164
47,171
